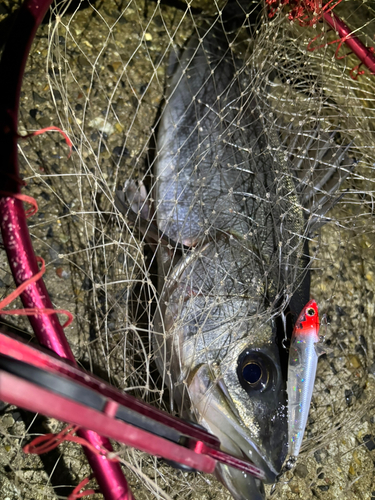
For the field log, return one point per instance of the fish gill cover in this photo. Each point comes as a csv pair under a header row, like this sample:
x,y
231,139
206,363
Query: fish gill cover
x,y
235,164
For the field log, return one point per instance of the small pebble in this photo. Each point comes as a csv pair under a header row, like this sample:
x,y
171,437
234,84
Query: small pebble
x,y
102,125
62,273
369,442
158,21
103,135
45,196
294,488
33,112
44,121
115,66
348,397
57,95
324,487
353,362
340,311
84,62
301,470
38,98
86,283
120,152
320,455
8,420
16,415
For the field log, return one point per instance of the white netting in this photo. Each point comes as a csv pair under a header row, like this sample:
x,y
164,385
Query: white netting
x,y
99,71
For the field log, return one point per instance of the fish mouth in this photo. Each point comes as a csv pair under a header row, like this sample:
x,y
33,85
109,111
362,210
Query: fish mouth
x,y
242,486
216,411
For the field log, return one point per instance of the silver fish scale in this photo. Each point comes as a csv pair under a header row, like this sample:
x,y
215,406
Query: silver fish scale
x,y
218,174
223,188
216,295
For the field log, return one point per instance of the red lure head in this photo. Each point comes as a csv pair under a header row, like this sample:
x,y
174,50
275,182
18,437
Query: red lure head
x,y
308,321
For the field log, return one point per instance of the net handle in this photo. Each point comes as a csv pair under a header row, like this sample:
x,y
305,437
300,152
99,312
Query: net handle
x,y
16,237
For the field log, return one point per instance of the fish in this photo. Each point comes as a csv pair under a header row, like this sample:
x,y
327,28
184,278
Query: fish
x,y
223,189
226,193
303,361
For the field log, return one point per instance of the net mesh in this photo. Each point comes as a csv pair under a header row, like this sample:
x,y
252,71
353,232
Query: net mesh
x,y
99,71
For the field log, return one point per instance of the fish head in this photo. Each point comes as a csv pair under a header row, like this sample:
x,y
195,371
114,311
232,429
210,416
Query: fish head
x,y
242,400
220,343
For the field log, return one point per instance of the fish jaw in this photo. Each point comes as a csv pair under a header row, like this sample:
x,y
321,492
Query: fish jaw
x,y
216,407
241,486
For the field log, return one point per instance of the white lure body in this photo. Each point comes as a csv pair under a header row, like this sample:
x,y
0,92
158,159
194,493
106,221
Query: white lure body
x,y
303,361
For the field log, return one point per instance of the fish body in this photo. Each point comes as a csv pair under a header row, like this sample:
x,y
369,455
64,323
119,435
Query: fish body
x,y
303,361
229,215
223,188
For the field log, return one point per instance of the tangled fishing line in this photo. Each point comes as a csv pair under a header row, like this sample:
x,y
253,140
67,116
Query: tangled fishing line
x,y
99,71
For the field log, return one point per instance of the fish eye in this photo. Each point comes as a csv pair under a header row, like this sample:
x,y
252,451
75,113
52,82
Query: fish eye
x,y
310,312
254,371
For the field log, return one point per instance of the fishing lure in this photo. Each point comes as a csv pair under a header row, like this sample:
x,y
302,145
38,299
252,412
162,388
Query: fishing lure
x,y
303,361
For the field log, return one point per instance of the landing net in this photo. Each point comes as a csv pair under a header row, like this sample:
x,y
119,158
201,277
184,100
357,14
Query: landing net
x,y
98,70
